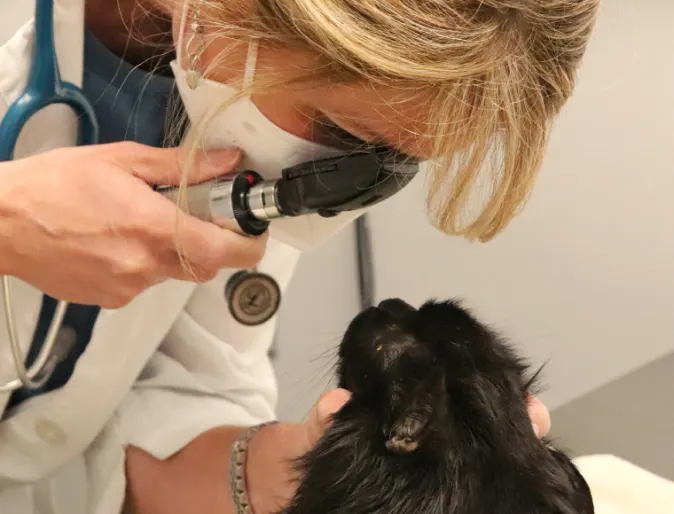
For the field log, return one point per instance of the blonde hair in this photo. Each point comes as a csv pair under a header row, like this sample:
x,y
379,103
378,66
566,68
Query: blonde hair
x,y
493,75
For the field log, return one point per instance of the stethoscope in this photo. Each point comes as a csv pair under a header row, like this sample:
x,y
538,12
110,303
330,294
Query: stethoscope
x,y
45,87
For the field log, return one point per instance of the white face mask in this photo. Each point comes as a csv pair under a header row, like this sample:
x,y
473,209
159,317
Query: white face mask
x,y
267,149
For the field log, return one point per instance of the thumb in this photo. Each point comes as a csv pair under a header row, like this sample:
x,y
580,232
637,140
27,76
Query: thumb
x,y
540,416
166,166
321,415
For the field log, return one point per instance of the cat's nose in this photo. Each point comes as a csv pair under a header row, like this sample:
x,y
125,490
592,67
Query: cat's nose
x,y
396,307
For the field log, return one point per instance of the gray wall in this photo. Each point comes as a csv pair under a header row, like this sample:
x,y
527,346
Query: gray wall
x,y
632,417
320,302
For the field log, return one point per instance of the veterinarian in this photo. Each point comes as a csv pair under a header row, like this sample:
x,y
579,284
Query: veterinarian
x,y
158,375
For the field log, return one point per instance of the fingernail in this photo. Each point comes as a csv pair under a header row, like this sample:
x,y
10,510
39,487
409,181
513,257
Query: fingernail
x,y
332,402
536,429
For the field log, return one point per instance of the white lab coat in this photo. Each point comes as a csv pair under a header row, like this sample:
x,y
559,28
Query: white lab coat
x,y
157,373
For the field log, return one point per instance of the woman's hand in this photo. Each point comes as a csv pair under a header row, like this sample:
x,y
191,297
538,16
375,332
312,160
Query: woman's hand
x,y
269,469
196,479
83,225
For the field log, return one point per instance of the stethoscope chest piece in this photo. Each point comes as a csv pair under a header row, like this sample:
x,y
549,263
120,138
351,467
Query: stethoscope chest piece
x,y
253,297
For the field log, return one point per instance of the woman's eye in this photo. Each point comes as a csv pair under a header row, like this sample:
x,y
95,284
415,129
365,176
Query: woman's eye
x,y
331,134
334,135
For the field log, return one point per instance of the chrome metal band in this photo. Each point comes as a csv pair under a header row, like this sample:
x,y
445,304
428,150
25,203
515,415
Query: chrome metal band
x,y
263,202
221,198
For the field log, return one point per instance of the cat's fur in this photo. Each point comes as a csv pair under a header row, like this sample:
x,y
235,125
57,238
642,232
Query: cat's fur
x,y
437,424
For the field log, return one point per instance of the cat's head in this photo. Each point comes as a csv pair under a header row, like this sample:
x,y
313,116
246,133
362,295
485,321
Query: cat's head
x,y
432,375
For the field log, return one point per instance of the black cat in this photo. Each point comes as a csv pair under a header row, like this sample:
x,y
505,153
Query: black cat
x,y
437,424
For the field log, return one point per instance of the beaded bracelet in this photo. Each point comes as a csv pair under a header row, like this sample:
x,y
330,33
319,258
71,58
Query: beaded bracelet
x,y
237,469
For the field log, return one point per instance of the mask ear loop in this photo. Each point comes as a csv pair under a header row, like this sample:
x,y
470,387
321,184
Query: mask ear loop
x,y
249,73
181,33
251,65
193,47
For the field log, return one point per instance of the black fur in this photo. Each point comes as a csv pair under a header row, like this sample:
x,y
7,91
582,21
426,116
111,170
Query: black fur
x,y
437,424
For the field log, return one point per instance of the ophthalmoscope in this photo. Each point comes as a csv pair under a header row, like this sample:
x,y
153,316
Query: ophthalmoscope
x,y
325,187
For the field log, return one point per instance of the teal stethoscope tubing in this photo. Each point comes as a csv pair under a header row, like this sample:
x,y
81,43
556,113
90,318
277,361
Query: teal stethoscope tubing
x,y
44,88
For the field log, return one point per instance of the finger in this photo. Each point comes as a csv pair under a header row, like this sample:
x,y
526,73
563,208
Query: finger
x,y
203,244
208,248
540,416
166,166
319,419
